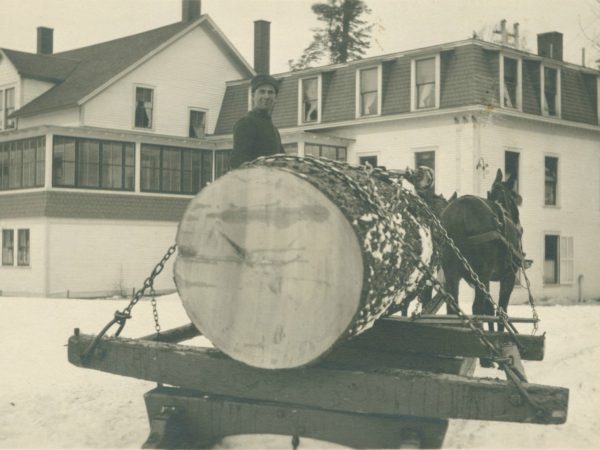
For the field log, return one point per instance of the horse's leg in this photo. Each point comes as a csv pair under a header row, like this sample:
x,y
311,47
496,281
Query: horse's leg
x,y
506,287
481,306
452,279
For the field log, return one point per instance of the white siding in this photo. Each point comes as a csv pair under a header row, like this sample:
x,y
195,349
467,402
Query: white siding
x,y
8,73
576,215
190,72
26,280
34,88
66,118
124,254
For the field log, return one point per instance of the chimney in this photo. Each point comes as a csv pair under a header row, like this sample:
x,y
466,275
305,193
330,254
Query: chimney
x,y
262,38
191,10
550,45
516,34
44,40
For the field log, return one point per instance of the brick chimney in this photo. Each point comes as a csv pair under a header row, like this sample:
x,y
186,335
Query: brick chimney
x,y
550,45
44,40
262,44
191,10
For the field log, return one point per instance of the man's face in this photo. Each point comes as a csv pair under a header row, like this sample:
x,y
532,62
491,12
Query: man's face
x,y
264,98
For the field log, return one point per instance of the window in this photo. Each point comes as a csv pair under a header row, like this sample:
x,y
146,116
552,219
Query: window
x,y
371,160
7,247
9,108
551,92
144,101
550,180
309,89
197,123
91,163
22,163
325,151
425,85
426,159
222,162
510,83
175,170
23,247
511,167
368,84
558,259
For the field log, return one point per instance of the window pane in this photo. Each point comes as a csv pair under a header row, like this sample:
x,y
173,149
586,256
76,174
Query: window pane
x,y
328,151
368,80
511,168
426,159
425,71
341,154
551,259
28,164
4,165
88,163
23,248
129,178
7,247
369,104
510,82
206,169
312,150
551,180
426,95
40,161
550,91
171,170
112,165
371,160
150,168
9,107
143,107
64,161
197,124
310,99
222,162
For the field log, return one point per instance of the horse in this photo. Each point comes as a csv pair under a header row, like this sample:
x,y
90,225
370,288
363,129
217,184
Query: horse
x,y
488,234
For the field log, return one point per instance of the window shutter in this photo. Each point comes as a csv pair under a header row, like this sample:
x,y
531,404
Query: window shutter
x,y
566,260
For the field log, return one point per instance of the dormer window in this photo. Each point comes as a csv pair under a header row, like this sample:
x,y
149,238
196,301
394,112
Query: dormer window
x,y
550,87
369,92
309,101
425,92
144,107
510,86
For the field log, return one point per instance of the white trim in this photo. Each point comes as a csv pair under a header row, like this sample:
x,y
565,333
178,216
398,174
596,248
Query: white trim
x,y
197,109
319,78
250,98
413,82
518,151
558,91
357,96
49,160
133,103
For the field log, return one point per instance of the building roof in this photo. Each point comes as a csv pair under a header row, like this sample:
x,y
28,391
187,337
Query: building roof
x,y
82,72
469,76
40,67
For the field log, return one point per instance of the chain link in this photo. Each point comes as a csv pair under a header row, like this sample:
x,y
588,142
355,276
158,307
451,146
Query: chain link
x,y
121,317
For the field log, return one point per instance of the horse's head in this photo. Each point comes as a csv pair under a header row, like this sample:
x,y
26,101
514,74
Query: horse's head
x,y
503,193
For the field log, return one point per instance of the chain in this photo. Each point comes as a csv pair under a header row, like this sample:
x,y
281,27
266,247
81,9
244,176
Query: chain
x,y
333,167
121,317
154,310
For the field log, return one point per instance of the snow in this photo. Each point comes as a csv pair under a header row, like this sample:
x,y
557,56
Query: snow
x,y
47,403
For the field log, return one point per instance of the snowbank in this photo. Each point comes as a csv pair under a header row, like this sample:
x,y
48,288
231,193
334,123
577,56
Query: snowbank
x,y
47,403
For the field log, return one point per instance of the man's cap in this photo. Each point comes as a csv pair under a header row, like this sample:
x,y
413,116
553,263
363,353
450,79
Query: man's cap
x,y
262,79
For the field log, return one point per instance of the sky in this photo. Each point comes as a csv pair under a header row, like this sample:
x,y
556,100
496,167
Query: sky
x,y
398,24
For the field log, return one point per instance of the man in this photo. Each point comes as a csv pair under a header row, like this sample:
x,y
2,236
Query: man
x,y
254,134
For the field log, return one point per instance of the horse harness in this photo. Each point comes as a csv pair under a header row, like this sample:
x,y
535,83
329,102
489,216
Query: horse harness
x,y
506,230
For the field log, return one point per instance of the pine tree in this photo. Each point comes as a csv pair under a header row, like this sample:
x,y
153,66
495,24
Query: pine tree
x,y
344,37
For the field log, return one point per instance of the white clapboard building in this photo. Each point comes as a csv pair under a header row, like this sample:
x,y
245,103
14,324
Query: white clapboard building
x,y
102,147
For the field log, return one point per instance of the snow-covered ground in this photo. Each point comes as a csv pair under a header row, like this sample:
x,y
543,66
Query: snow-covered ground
x,y
47,403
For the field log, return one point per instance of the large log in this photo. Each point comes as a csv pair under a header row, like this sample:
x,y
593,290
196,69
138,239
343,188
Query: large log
x,y
282,259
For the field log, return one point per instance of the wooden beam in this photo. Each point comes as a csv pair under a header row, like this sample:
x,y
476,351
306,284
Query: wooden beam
x,y
376,391
398,335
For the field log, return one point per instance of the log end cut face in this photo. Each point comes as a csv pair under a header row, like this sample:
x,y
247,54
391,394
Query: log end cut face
x,y
268,268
